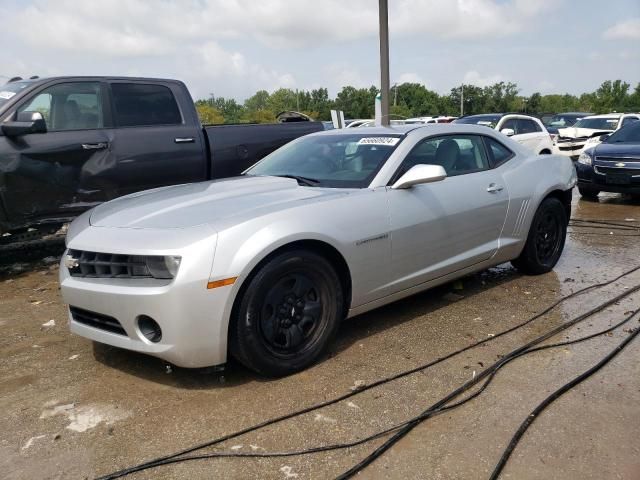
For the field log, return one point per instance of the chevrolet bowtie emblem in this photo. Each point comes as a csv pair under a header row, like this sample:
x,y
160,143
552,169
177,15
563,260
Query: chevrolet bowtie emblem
x,y
621,164
70,262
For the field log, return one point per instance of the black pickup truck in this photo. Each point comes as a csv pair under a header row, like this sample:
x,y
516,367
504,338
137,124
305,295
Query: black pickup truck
x,y
69,143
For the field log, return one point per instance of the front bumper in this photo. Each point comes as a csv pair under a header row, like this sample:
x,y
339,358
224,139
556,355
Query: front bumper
x,y
569,149
590,177
193,319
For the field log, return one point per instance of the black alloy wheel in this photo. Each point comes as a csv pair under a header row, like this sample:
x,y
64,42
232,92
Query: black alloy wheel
x,y
287,313
545,240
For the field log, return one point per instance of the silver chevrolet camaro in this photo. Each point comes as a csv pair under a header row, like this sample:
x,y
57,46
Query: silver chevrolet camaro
x,y
265,266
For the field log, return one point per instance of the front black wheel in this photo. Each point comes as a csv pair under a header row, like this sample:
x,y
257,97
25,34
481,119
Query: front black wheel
x,y
289,312
589,193
546,238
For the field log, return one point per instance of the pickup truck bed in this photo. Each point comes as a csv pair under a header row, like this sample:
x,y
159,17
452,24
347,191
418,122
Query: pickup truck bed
x,y
70,143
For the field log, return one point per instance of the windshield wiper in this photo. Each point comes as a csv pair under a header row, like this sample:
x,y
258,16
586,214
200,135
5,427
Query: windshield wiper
x,y
309,182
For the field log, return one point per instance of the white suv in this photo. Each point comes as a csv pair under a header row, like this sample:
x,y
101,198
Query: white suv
x,y
524,129
587,131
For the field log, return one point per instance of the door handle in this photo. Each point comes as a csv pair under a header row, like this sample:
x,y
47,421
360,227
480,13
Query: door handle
x,y
95,146
184,140
493,188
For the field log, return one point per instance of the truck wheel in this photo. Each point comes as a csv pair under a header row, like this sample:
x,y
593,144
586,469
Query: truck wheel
x,y
588,193
288,314
545,241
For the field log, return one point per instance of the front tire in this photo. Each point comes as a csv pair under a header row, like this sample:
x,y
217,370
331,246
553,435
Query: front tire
x,y
289,312
588,193
546,238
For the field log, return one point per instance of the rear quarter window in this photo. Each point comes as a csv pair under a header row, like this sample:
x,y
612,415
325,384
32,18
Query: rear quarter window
x,y
138,105
498,153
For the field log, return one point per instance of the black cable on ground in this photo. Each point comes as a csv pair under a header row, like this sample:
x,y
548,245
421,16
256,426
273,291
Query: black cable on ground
x,y
552,398
441,403
377,435
151,463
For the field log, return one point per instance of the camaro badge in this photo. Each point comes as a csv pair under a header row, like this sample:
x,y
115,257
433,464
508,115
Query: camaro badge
x,y
70,262
621,164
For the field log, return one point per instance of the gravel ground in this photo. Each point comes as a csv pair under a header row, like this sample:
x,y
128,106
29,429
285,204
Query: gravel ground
x,y
73,409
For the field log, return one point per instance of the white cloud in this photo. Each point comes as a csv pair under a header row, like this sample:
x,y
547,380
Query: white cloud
x,y
627,29
129,28
472,77
409,77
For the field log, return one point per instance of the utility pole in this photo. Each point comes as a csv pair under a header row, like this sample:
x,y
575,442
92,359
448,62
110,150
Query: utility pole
x,y
462,100
395,94
383,14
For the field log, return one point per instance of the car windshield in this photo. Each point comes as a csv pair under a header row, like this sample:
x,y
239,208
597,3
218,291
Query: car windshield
x,y
597,123
627,134
8,91
488,120
334,161
560,121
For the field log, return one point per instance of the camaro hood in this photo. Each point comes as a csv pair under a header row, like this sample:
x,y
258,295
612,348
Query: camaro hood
x,y
195,204
573,132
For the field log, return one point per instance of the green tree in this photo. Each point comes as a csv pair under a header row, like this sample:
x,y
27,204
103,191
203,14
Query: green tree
x,y
208,114
259,101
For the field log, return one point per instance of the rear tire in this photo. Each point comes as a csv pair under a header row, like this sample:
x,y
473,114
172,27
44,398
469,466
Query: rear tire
x,y
546,238
289,312
589,193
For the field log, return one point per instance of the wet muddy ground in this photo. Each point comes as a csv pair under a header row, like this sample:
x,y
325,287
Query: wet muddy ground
x,y
73,409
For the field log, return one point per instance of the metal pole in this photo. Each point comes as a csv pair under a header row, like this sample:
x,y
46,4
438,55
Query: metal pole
x,y
383,13
462,100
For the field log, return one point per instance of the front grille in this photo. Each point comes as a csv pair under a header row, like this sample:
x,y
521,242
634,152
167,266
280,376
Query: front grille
x,y
106,265
571,148
97,320
617,170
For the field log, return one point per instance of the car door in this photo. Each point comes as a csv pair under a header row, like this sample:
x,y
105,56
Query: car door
x,y
439,228
530,134
155,143
50,174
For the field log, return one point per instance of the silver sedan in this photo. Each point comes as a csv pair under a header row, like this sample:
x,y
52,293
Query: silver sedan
x,y
265,266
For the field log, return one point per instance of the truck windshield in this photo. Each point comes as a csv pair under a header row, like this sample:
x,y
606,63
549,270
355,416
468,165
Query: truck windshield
x,y
8,91
334,161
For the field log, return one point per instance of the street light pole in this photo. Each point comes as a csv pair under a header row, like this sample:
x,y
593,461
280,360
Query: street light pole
x,y
462,100
383,14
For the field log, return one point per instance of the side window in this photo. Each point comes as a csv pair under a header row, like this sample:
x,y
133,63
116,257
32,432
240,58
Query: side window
x,y
528,126
628,120
498,153
69,106
138,105
512,124
458,154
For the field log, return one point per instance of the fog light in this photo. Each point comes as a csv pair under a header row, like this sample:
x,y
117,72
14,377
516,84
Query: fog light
x,y
149,328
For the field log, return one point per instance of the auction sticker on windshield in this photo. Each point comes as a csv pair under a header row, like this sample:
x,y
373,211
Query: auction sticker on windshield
x,y
7,95
389,141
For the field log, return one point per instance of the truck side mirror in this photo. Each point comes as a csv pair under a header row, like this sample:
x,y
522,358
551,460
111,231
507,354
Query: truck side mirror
x,y
25,123
509,132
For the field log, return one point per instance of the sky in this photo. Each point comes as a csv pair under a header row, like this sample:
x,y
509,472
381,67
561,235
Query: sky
x,y
233,48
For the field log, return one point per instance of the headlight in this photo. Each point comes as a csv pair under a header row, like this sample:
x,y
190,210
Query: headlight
x,y
163,267
584,158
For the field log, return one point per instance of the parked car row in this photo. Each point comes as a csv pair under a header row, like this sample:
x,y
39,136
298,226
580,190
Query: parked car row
x,y
589,131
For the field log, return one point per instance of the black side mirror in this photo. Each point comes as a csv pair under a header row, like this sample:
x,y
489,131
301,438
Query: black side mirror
x,y
25,123
604,137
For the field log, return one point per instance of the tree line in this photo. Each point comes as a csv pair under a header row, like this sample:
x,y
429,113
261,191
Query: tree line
x,y
415,100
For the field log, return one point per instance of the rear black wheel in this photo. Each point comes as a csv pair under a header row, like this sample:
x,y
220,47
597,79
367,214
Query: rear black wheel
x,y
588,193
289,312
546,238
